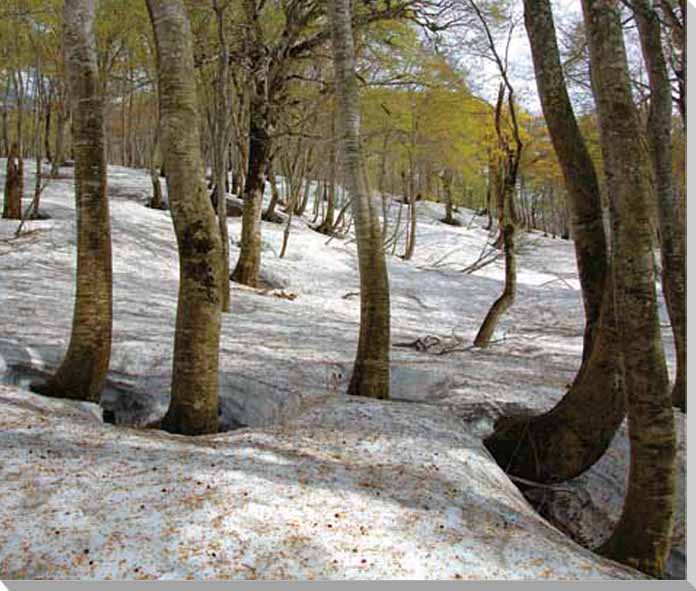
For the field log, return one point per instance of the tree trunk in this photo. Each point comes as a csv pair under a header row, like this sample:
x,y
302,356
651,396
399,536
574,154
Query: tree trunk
x,y
447,188
643,535
270,214
59,152
193,409
82,373
305,169
47,126
371,369
327,224
507,219
39,99
12,204
5,109
411,237
222,141
583,424
302,205
249,262
671,224
507,298
261,92
156,201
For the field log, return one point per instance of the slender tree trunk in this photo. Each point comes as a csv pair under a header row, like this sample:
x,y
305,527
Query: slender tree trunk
x,y
39,99
318,199
18,81
327,224
222,141
412,217
492,188
583,424
507,298
59,152
371,370
643,535
47,126
302,206
5,110
671,223
381,184
193,409
303,173
507,219
270,214
82,373
156,201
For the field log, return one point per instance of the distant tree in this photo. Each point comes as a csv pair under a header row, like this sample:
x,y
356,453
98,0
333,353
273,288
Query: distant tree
x,y
506,155
193,409
82,373
371,369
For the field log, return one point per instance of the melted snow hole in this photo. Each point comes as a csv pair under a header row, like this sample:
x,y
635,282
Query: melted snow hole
x,y
125,405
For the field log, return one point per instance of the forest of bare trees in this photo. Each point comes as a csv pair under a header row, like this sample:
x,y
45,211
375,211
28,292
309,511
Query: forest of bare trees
x,y
389,129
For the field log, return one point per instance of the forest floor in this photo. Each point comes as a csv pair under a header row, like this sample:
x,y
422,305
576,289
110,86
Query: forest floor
x,y
316,485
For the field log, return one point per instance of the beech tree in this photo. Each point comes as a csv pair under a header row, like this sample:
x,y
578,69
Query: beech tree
x,y
193,409
82,372
371,368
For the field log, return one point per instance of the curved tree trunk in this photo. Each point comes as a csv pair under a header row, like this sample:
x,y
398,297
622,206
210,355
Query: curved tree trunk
x,y
193,409
371,369
507,298
583,424
671,224
643,535
564,442
82,373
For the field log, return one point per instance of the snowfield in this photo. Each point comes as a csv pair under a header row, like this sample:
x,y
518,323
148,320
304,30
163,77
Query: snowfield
x,y
316,485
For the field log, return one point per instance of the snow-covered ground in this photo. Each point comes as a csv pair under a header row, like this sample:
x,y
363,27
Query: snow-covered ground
x,y
411,493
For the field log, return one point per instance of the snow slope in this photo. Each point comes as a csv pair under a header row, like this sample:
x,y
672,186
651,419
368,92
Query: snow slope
x,y
284,368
